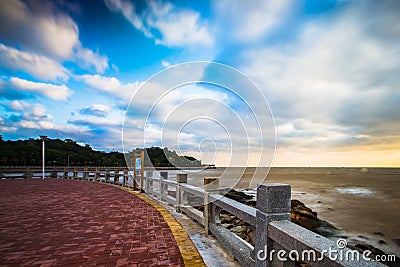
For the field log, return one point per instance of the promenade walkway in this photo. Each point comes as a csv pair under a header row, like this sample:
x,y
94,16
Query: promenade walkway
x,y
58,222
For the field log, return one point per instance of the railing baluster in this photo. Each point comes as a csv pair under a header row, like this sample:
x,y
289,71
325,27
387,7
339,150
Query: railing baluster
x,y
211,184
273,204
180,179
163,187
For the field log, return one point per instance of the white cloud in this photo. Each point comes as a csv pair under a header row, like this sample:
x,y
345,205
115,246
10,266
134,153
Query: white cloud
x,y
165,63
186,99
35,28
177,27
110,85
28,119
250,20
336,84
36,65
57,92
304,133
51,126
328,66
88,59
42,29
100,123
30,112
128,10
96,110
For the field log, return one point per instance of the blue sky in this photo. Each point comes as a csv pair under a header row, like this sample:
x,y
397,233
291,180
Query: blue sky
x,y
329,70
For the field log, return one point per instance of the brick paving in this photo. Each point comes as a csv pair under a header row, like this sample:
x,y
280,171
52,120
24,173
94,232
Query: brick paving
x,y
57,222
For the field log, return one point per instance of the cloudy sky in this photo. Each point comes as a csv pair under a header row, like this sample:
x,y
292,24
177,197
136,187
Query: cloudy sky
x,y
330,71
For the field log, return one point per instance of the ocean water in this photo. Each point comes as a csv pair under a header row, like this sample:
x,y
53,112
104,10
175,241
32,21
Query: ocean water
x,y
363,202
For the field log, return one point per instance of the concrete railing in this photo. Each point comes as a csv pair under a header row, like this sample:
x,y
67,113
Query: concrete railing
x,y
278,242
274,233
115,175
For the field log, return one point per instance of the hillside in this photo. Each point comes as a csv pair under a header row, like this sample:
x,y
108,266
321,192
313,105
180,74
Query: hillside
x,y
68,152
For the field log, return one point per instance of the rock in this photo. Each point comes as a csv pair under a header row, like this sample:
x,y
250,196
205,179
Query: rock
x,y
239,196
363,237
226,218
304,220
396,241
196,202
364,246
303,216
300,214
237,230
361,247
227,225
252,238
301,264
379,233
382,242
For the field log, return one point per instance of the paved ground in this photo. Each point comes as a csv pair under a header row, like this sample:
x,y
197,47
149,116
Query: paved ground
x,y
56,222
210,249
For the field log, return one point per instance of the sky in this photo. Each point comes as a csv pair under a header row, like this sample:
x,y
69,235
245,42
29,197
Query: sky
x,y
329,71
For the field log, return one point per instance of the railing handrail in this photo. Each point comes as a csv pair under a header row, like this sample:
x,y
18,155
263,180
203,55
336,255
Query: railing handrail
x,y
240,210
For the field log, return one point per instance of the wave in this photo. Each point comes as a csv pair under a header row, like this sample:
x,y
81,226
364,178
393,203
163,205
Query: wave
x,y
355,191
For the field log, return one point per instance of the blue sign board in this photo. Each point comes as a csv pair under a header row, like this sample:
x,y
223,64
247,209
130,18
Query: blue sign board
x,y
138,164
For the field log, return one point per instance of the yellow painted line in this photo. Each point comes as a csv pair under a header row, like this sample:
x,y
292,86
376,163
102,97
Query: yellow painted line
x,y
190,255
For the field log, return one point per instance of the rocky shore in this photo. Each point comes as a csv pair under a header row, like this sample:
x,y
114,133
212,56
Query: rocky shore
x,y
300,214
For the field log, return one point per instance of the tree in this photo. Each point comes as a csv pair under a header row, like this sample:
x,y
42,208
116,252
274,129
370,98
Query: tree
x,y
23,152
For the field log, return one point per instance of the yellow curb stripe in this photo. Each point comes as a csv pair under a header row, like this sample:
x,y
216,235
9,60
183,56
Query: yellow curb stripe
x,y
190,255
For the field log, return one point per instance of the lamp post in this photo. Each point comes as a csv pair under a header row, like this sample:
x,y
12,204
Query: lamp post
x,y
44,138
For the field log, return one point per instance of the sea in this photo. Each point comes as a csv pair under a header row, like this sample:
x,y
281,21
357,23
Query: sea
x,y
364,203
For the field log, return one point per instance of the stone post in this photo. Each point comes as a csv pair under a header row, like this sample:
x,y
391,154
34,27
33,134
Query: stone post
x,y
148,183
85,174
116,177
211,184
54,173
125,179
97,175
273,204
107,176
163,187
29,173
181,178
121,177
134,184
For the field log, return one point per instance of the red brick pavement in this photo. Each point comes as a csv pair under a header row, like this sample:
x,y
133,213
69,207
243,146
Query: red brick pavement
x,y
56,222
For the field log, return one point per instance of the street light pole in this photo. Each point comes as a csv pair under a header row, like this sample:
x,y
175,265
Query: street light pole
x,y
44,138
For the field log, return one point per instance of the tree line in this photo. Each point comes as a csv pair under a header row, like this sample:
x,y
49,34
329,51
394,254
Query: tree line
x,y
69,153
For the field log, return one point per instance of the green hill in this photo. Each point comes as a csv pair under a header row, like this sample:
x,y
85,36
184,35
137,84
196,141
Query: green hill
x,y
68,152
